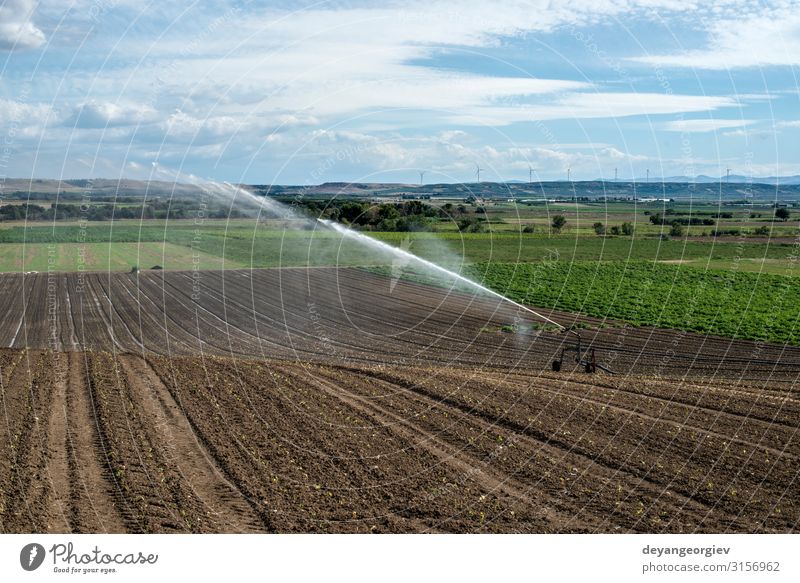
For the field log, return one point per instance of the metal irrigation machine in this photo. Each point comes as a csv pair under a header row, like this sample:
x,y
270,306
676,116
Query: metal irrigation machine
x,y
585,358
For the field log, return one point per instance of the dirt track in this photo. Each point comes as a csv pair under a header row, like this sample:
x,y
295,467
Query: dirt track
x,y
318,401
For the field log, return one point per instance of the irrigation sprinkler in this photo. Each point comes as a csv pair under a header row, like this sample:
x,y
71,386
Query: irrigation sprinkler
x,y
585,358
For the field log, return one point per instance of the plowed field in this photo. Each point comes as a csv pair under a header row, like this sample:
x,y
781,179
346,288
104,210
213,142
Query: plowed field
x,y
334,400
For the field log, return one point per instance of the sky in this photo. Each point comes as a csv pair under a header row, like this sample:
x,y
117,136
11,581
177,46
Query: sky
x,y
310,92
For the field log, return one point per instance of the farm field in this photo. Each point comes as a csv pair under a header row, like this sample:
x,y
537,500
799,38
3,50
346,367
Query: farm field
x,y
305,314
286,447
614,277
581,216
276,379
280,400
736,287
282,244
66,257
733,303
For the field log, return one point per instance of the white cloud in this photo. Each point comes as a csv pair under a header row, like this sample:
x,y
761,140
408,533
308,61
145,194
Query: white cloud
x,y
758,37
704,125
431,90
296,119
788,124
626,104
618,155
590,105
456,161
750,134
350,61
20,112
17,30
101,114
256,78
181,124
453,136
24,121
757,97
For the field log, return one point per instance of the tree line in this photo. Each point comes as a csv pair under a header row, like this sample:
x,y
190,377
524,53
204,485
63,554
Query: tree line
x,y
176,209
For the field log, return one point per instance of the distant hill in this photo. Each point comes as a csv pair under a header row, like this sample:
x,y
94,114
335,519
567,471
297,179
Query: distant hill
x,y
710,190
733,179
788,188
41,189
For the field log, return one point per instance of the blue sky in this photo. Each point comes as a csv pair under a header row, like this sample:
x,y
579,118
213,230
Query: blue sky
x,y
309,92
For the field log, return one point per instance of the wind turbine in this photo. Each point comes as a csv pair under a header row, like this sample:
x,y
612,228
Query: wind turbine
x,y
530,175
727,176
421,175
478,171
569,172
648,175
615,174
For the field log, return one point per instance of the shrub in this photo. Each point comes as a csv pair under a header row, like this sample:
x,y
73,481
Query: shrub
x,y
721,232
559,221
470,225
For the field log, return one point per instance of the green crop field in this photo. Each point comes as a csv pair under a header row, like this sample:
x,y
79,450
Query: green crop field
x,y
507,217
733,286
18,257
269,245
513,248
729,303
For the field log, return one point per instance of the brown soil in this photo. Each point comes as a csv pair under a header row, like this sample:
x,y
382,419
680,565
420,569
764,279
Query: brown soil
x,y
322,401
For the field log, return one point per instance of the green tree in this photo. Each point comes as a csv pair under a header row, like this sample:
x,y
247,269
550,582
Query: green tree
x,y
388,212
627,229
351,211
782,213
676,230
599,228
470,225
559,221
